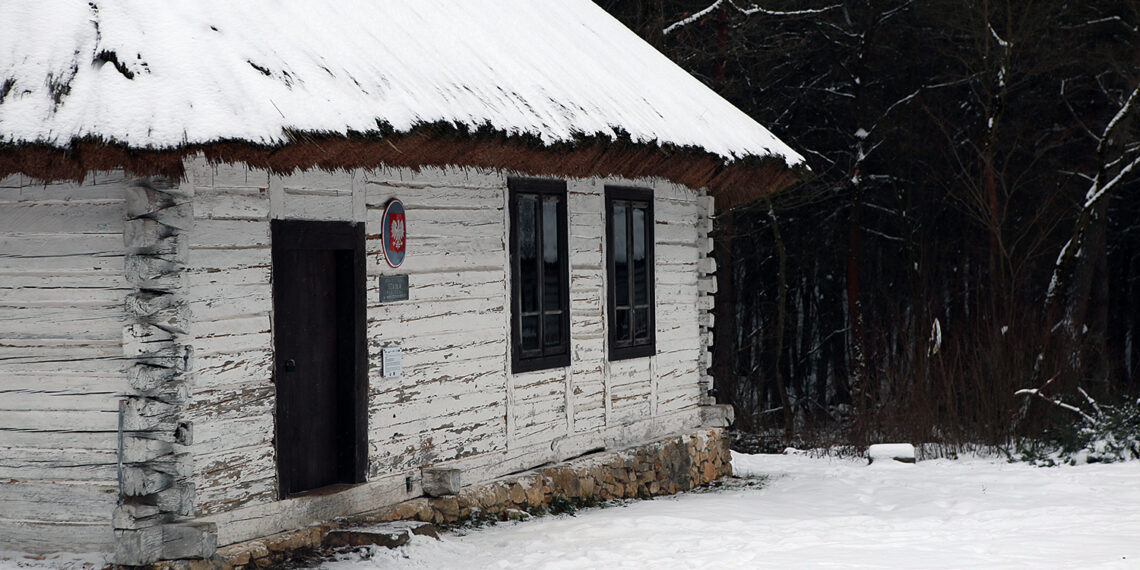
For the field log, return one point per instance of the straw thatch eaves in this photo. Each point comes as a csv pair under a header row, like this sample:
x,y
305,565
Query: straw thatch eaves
x,y
546,87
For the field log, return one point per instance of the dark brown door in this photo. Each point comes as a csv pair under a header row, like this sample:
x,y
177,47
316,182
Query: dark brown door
x,y
320,360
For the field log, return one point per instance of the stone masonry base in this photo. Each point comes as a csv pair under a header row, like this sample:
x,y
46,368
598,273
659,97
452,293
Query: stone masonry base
x,y
663,467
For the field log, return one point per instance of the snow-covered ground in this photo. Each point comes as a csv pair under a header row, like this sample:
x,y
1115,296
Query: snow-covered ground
x,y
830,513
824,512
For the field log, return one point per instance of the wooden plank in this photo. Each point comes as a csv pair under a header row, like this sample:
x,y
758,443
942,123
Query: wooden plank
x,y
59,501
216,302
62,244
230,234
225,278
315,182
383,183
442,261
674,276
415,448
676,233
59,297
232,402
18,463
213,370
447,379
60,439
669,402
95,186
92,322
237,175
588,420
221,435
535,386
435,222
78,216
45,268
298,204
397,321
92,397
390,418
676,211
485,284
588,205
439,198
67,357
675,254
214,260
232,336
246,492
232,204
446,444
60,421
43,537
235,478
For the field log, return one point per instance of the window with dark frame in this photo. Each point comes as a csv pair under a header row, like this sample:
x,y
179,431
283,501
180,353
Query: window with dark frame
x,y
629,264
540,275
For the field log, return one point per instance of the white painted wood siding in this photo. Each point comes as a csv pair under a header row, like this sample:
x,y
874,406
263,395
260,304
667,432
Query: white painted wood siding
x,y
230,296
456,401
450,402
62,291
62,371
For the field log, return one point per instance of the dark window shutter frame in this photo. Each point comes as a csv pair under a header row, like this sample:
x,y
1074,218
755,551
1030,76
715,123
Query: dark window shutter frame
x,y
620,348
558,354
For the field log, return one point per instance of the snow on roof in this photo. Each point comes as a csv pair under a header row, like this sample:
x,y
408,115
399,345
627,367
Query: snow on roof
x,y
163,75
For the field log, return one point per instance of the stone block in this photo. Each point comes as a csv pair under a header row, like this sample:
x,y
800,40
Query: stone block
x,y
439,481
535,495
517,494
448,507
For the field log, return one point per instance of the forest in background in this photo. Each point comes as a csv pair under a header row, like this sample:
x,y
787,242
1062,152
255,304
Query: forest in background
x,y
970,228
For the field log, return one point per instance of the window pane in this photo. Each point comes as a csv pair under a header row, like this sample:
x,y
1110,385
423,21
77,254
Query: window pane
x,y
641,324
552,284
640,265
621,325
528,253
529,333
553,330
621,255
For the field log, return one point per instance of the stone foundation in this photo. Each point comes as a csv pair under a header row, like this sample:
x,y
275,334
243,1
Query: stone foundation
x,y
664,467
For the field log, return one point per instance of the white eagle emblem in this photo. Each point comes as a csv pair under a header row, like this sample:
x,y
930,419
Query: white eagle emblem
x,y
397,230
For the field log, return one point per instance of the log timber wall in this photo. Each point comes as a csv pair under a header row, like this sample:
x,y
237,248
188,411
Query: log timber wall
x,y
62,292
456,403
81,314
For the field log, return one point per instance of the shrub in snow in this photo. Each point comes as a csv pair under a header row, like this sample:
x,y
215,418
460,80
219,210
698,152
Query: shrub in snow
x,y
1106,434
1115,436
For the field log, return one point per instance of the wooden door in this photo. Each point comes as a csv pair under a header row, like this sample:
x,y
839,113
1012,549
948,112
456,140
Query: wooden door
x,y
320,367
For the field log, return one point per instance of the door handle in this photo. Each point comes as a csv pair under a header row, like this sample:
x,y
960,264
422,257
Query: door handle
x,y
290,365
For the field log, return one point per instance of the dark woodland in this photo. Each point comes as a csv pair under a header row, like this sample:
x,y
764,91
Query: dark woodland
x,y
970,227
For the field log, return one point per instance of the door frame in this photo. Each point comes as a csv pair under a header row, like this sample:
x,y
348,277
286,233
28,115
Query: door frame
x,y
330,236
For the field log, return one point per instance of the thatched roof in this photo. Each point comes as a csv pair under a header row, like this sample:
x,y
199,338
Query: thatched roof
x,y
553,87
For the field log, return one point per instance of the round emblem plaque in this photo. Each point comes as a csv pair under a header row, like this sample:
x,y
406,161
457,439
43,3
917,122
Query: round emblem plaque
x,y
394,233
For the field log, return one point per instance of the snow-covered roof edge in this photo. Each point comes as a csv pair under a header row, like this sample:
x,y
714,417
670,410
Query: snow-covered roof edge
x,y
733,184
559,85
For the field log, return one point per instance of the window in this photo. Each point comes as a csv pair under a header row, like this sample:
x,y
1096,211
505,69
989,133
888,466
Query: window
x,y
540,275
629,260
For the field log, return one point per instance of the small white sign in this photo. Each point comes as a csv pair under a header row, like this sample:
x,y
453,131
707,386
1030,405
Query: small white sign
x,y
393,361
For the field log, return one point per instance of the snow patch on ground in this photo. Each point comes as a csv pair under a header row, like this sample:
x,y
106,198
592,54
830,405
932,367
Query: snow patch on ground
x,y
828,512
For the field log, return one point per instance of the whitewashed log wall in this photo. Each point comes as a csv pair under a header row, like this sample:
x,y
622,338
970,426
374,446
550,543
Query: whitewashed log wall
x,y
456,404
62,293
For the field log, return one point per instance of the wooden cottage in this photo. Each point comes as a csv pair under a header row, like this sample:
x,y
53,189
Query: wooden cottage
x,y
264,264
